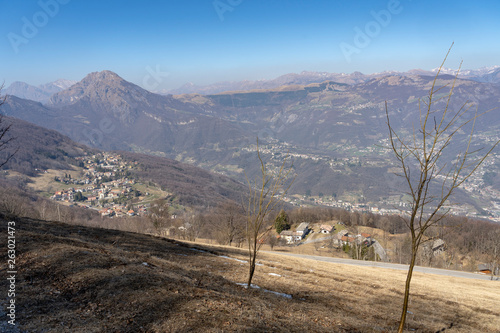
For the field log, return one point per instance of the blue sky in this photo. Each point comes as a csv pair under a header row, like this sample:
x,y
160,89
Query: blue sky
x,y
205,41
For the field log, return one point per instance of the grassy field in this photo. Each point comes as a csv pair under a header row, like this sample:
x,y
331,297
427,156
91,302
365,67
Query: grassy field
x,y
45,182
81,279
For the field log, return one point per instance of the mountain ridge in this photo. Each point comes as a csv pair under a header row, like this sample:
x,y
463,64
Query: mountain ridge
x,y
484,74
39,93
333,130
43,92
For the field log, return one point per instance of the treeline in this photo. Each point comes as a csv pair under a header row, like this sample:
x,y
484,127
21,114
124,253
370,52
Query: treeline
x,y
467,241
389,223
16,201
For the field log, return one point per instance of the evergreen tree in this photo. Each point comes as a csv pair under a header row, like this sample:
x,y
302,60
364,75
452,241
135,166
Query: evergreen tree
x,y
281,222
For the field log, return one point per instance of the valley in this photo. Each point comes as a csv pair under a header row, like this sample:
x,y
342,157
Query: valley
x,y
336,132
250,166
481,190
90,218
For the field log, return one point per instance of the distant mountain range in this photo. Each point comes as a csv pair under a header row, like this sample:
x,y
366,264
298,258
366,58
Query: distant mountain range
x,y
485,74
40,93
333,129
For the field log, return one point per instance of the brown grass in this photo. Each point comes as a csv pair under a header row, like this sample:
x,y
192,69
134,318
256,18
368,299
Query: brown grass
x,y
45,181
80,279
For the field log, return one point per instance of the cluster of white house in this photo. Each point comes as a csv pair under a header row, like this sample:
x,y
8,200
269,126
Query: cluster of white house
x,y
343,237
297,235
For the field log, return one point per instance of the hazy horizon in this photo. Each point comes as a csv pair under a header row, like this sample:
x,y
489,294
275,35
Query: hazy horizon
x,y
266,79
168,44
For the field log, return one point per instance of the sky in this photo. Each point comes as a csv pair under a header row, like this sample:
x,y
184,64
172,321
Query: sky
x,y
165,44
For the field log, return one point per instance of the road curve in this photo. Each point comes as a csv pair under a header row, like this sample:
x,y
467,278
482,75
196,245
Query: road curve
x,y
379,264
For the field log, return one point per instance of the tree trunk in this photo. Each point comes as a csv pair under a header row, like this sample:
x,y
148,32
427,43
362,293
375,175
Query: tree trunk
x,y
250,275
253,255
407,291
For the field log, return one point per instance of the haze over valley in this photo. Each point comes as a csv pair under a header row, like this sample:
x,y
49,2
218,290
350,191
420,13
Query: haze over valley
x,y
336,132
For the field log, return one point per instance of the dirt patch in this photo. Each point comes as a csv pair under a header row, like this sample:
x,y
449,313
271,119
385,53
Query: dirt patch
x,y
80,279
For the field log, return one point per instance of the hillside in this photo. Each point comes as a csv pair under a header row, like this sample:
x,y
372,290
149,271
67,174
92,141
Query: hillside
x,y
40,149
335,132
190,185
75,278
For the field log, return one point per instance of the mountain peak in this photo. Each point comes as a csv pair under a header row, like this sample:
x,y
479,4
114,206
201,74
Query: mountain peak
x,y
16,84
105,76
105,86
61,83
26,91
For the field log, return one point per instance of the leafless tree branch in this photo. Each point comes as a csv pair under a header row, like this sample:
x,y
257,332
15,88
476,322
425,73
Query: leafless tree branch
x,y
262,201
425,154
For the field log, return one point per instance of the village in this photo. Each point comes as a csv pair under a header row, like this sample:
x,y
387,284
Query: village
x,y
479,185
325,238
105,185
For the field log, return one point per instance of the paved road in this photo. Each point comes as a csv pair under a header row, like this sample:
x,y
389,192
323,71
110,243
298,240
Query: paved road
x,y
427,270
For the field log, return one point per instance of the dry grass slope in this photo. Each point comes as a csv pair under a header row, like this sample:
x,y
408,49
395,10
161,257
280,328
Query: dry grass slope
x,y
80,279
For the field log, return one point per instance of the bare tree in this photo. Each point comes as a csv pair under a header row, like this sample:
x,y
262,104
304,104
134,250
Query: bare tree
x,y
13,201
194,225
158,215
492,247
4,140
272,188
422,160
229,221
384,224
271,241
